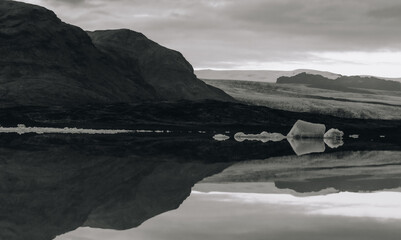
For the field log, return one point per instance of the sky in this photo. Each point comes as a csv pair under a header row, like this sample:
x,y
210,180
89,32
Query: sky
x,y
343,36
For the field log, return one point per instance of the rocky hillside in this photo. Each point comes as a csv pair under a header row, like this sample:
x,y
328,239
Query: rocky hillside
x,y
45,61
166,70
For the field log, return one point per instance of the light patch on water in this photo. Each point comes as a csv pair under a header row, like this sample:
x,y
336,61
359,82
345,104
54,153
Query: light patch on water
x,y
380,205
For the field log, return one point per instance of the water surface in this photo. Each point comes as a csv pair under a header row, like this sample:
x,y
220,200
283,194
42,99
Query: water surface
x,y
172,186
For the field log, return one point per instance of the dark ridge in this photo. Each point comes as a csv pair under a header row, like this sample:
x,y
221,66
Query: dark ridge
x,y
166,70
355,84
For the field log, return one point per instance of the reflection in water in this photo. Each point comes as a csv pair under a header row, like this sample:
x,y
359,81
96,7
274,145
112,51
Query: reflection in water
x,y
379,205
333,142
302,146
54,184
343,171
357,216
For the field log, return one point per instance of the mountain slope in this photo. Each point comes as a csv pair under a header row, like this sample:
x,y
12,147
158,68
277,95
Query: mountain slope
x,y
164,69
45,61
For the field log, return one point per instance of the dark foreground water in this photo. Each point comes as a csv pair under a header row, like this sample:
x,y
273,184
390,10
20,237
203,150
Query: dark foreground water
x,y
189,186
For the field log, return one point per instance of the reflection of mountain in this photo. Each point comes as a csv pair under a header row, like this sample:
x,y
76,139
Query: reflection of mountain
x,y
52,185
344,171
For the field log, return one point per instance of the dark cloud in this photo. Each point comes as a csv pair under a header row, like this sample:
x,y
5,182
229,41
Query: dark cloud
x,y
229,32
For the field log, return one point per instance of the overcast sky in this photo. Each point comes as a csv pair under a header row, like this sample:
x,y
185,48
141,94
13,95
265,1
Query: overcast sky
x,y
342,36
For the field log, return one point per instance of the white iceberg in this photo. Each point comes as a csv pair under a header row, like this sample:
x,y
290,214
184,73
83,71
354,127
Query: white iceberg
x,y
334,133
302,129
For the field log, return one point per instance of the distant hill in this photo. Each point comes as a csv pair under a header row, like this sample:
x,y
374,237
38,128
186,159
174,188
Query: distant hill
x,y
45,61
266,75
257,75
343,83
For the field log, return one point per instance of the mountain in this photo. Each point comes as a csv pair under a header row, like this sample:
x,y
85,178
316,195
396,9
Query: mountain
x,y
164,69
343,83
257,75
45,61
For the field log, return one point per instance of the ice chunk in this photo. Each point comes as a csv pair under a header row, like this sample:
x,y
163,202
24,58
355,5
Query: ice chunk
x,y
221,137
334,133
263,137
302,129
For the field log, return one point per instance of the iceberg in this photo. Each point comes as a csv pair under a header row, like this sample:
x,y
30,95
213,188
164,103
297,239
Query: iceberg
x,y
302,129
334,133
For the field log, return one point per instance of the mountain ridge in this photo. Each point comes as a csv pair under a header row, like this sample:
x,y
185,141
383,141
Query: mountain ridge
x,y
48,62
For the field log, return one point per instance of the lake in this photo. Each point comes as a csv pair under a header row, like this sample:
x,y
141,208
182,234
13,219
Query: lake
x,y
181,185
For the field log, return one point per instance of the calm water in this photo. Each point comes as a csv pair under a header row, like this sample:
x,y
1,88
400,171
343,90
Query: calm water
x,y
149,186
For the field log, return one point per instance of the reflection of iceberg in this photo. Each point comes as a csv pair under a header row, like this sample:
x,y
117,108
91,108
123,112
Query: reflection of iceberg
x,y
263,137
334,142
302,146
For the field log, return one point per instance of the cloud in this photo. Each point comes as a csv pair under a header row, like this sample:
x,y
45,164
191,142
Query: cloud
x,y
218,33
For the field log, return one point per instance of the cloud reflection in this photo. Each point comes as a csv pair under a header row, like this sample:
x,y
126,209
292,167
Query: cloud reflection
x,y
379,205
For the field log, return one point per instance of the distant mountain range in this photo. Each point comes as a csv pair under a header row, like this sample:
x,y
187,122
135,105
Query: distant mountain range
x,y
45,61
265,75
343,83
